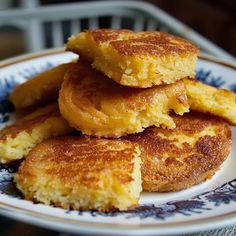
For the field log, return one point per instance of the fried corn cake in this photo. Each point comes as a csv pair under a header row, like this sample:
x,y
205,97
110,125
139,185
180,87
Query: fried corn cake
x,y
16,140
134,59
100,107
208,99
185,156
82,173
40,89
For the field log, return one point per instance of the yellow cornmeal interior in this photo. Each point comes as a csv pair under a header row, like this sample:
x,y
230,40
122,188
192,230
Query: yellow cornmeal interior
x,y
135,71
205,98
109,193
114,118
14,148
182,138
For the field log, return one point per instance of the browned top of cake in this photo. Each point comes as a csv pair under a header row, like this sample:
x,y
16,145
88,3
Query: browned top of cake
x,y
76,160
107,35
130,43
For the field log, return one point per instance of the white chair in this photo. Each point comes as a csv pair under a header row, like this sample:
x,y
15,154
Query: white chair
x,y
51,25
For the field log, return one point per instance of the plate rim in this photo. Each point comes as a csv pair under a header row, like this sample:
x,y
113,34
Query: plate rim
x,y
108,229
47,52
59,223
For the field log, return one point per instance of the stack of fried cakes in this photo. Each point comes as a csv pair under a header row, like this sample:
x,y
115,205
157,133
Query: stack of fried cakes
x,y
146,123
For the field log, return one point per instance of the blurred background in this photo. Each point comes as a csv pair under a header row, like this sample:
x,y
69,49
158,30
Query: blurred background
x,y
33,25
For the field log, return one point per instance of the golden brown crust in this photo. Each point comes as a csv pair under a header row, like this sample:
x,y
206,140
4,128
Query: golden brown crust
x,y
188,155
105,35
99,106
76,160
82,173
154,43
130,43
28,123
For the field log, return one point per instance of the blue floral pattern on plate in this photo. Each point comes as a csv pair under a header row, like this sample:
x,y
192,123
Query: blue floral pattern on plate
x,y
198,204
195,205
206,77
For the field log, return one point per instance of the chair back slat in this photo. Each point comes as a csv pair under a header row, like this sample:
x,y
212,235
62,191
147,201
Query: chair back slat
x,y
75,26
57,34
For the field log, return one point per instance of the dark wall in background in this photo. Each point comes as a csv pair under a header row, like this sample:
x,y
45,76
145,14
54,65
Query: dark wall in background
x,y
215,19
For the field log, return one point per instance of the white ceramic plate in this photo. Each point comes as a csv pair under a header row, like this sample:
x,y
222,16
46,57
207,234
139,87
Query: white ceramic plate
x,y
205,206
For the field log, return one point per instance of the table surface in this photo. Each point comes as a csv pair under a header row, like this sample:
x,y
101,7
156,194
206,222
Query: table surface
x,y
10,227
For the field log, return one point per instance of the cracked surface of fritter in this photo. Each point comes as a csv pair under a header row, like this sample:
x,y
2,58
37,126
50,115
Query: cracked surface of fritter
x,y
185,156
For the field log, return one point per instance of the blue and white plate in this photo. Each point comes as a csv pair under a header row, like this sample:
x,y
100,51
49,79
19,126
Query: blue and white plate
x,y
205,206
